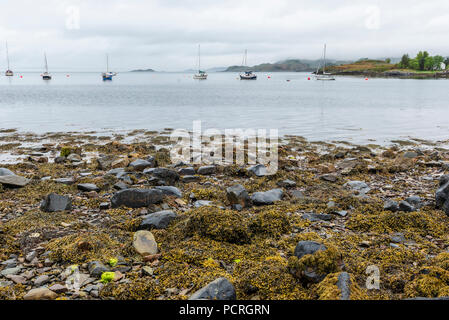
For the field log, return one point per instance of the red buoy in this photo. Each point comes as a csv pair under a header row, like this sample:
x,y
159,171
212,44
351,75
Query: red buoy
x,y
308,78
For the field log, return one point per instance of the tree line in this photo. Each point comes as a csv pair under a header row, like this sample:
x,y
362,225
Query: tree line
x,y
424,62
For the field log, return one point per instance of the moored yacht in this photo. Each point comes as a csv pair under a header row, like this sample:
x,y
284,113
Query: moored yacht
x,y
46,75
248,74
324,76
8,72
108,75
201,75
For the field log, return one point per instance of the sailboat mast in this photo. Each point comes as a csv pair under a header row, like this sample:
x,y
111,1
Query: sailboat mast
x,y
46,63
107,63
7,54
324,67
199,58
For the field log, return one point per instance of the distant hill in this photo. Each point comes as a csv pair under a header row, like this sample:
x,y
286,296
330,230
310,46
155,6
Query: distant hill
x,y
290,65
143,70
363,66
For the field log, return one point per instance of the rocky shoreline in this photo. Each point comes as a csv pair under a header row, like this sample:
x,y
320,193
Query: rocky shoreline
x,y
86,216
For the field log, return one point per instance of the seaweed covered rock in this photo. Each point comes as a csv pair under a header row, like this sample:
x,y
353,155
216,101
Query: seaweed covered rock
x,y
219,225
136,198
267,197
312,261
272,223
237,194
340,286
55,202
442,194
219,289
157,220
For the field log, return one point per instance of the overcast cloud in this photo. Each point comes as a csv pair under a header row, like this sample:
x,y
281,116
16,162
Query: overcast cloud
x,y
164,34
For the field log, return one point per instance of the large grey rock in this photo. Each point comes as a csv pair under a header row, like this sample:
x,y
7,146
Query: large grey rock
x,y
391,205
267,198
358,186
219,289
415,201
344,284
237,194
207,170
287,184
144,243
157,220
258,170
308,247
14,181
96,268
442,194
140,165
136,198
41,280
170,191
6,172
88,187
190,171
406,207
54,202
169,176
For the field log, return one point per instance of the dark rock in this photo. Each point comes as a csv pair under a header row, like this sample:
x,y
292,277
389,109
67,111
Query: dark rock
x,y
136,198
308,247
219,289
168,175
329,177
442,194
344,284
67,181
60,159
391,205
358,186
237,194
121,186
157,220
188,179
96,268
88,187
140,165
104,206
14,181
258,170
313,217
267,198
190,171
415,201
105,162
405,206
286,184
170,191
54,202
207,170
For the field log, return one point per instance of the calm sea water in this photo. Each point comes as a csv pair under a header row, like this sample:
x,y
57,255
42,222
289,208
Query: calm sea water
x,y
350,108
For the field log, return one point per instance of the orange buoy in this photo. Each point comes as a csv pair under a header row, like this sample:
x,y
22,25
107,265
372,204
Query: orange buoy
x,y
366,78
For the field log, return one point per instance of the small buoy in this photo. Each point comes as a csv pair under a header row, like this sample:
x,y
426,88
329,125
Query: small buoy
x,y
366,78
21,76
269,77
308,78
68,75
288,80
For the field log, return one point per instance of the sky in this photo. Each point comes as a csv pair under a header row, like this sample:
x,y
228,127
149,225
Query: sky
x,y
164,34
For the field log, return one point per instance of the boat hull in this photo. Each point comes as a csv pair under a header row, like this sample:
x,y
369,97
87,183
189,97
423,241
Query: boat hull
x,y
244,77
9,73
200,77
46,77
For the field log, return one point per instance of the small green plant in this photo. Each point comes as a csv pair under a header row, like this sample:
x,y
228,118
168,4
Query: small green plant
x,y
107,277
65,151
237,260
113,262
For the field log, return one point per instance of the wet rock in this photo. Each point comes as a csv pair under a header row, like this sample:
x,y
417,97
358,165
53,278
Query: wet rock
x,y
157,220
14,181
188,179
87,187
136,198
105,162
190,171
41,280
314,217
344,284
258,170
121,186
96,269
415,201
104,206
58,288
73,157
67,181
170,191
207,170
219,289
54,202
297,194
140,165
60,159
391,205
406,207
308,247
202,203
6,172
167,175
144,243
359,187
442,194
40,294
329,177
237,194
267,198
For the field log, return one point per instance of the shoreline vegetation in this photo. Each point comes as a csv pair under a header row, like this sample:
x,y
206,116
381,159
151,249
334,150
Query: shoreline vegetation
x,y
114,216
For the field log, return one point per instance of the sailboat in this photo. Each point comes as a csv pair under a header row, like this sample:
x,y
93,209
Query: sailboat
x,y
324,76
248,74
201,75
8,72
108,75
46,75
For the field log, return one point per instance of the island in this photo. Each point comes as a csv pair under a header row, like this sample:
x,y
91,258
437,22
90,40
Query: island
x,y
143,70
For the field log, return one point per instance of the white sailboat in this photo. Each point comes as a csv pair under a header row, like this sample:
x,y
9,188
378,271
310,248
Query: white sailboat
x,y
108,75
248,74
324,76
8,72
46,75
201,75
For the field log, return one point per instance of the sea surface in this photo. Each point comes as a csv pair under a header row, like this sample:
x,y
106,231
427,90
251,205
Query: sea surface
x,y
350,108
